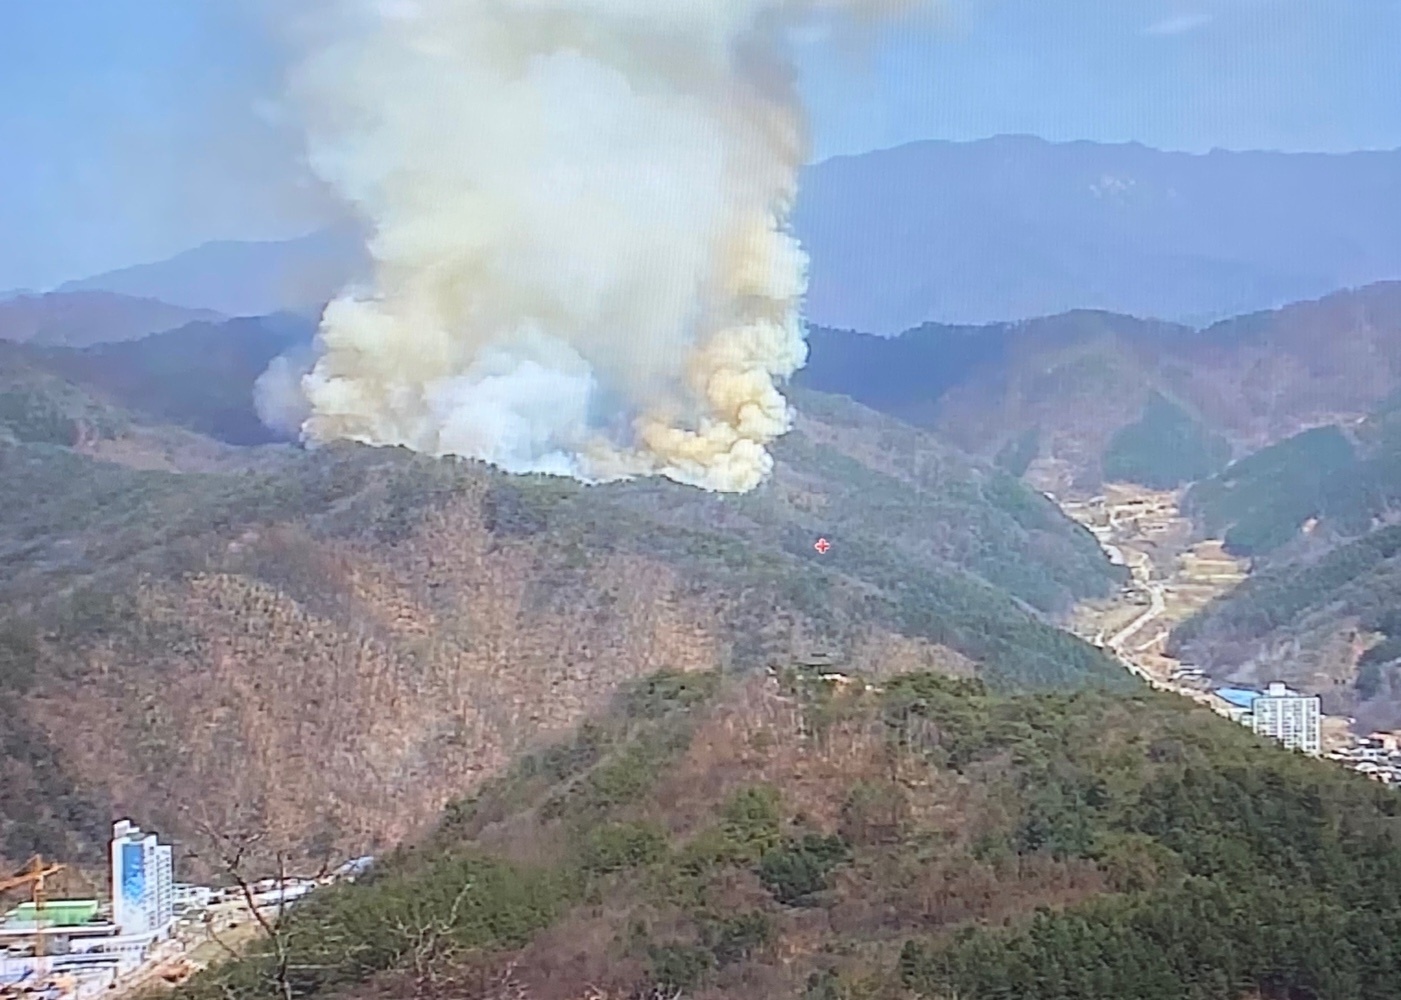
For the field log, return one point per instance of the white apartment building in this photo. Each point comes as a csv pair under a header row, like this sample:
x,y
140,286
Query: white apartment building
x,y
143,882
1292,718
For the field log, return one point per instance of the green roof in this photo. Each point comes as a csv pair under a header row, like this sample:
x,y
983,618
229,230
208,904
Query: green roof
x,y
57,913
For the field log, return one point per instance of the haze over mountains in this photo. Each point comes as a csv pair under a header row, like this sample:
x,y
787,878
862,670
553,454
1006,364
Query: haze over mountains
x,y
371,558
1002,229
1016,227
202,624
241,278
78,319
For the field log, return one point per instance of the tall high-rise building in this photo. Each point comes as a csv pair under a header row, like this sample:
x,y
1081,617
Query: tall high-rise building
x,y
1292,718
143,882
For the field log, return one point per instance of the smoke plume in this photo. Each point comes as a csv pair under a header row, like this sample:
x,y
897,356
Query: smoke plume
x,y
278,398
579,231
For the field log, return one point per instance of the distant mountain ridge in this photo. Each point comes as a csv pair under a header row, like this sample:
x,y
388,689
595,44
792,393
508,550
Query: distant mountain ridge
x,y
1062,387
1016,227
80,319
244,278
1066,399
1007,228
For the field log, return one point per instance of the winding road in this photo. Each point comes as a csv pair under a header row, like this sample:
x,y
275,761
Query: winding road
x,y
1156,606
1141,567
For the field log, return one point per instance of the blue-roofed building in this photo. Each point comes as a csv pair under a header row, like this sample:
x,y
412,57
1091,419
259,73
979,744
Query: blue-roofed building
x,y
1238,702
1240,697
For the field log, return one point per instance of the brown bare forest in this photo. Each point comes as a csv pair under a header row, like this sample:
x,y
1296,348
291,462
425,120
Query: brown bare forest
x,y
331,645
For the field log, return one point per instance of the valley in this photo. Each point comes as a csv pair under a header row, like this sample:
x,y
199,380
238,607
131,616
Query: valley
x,y
700,500
592,692
1175,576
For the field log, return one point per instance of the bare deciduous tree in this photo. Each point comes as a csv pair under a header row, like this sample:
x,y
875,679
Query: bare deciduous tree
x,y
430,947
232,852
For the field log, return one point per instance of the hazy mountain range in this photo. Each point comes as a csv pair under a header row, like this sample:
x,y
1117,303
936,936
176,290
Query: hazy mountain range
x,y
1003,229
334,647
1059,390
241,278
1015,227
77,319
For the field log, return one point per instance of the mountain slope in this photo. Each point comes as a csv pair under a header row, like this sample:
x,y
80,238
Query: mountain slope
x,y
1318,515
1324,622
80,319
1072,382
1015,227
243,279
330,643
199,376
1325,484
789,837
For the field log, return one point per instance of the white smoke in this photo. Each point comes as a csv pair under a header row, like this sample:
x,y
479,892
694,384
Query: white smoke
x,y
579,213
277,394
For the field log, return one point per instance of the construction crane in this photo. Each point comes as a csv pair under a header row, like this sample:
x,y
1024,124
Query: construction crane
x,y
34,878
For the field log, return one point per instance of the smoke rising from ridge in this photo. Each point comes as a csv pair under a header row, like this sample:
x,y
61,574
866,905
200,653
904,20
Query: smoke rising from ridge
x,y
579,214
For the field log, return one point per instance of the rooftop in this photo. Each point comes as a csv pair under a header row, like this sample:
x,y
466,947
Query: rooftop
x,y
57,913
1239,697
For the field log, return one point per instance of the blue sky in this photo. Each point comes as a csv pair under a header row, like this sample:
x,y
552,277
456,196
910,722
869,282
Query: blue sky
x,y
1319,75
131,129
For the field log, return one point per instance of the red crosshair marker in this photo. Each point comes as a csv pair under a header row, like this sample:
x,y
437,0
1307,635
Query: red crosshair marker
x,y
823,546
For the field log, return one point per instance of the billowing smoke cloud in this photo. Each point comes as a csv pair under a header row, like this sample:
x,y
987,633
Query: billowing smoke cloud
x,y
579,210
277,394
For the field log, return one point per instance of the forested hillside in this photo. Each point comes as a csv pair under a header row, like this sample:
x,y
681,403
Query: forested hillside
x,y
786,836
1263,502
1149,398
328,644
1339,481
1318,514
199,376
1166,448
37,407
1308,620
